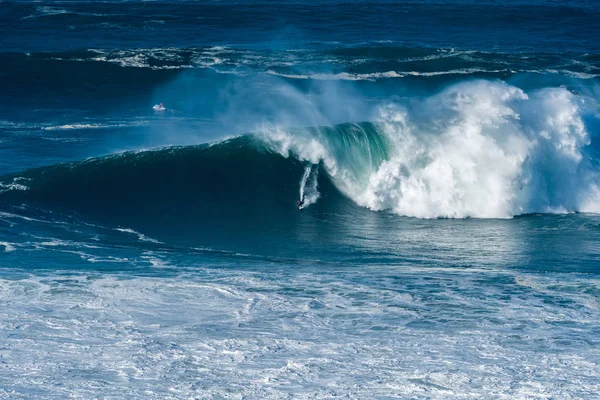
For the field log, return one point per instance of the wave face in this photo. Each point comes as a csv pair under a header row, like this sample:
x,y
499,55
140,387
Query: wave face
x,y
482,149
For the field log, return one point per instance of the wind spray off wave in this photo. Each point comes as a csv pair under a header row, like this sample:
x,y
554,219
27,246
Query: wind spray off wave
x,y
309,194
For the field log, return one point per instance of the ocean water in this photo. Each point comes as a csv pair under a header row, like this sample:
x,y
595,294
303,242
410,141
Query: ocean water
x,y
448,154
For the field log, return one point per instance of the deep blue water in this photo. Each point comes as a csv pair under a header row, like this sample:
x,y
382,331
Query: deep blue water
x,y
447,153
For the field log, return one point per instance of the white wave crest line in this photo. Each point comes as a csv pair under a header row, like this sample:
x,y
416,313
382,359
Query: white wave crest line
x,y
440,55
12,186
140,236
340,76
465,71
382,75
220,56
46,11
8,247
77,126
16,184
74,126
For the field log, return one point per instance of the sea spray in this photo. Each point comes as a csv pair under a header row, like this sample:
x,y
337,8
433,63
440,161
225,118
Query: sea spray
x,y
483,149
303,180
309,193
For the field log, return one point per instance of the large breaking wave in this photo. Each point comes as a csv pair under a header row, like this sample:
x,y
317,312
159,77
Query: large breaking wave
x,y
478,149
481,149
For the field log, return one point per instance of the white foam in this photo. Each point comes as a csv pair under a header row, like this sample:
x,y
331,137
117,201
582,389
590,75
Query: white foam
x,y
441,54
140,236
438,333
139,58
373,76
460,167
7,246
97,125
464,71
309,194
480,149
157,262
16,184
300,144
15,216
345,76
73,126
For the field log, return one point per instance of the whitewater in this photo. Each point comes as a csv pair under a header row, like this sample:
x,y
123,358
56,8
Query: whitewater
x,y
481,149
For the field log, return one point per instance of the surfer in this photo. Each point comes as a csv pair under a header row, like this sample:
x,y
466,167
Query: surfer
x,y
300,203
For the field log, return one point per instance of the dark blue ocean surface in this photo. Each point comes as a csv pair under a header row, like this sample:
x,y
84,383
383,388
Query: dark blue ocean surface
x,y
447,154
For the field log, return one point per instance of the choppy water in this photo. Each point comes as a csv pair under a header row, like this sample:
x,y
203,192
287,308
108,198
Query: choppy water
x,y
447,154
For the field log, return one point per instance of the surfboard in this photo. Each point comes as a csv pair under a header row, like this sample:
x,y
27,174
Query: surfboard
x,y
158,107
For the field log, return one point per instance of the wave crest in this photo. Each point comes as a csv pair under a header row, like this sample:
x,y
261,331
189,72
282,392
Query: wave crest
x,y
478,149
